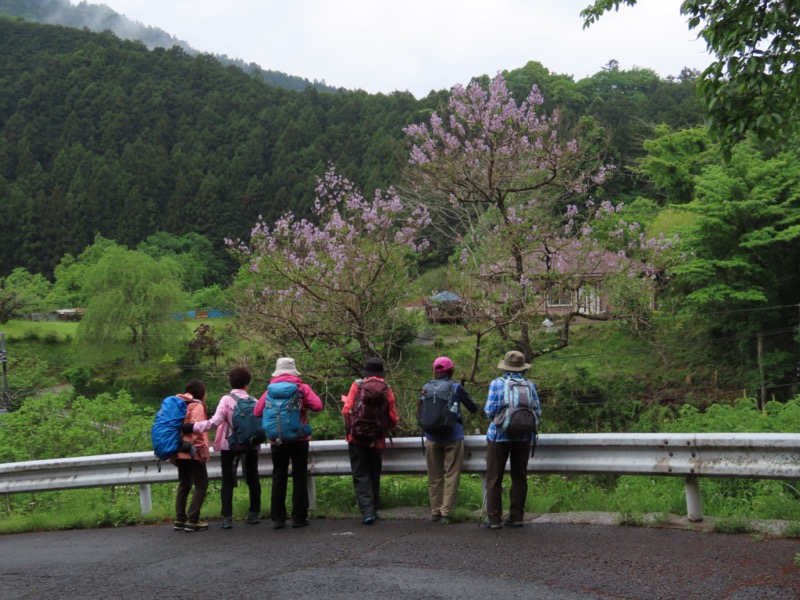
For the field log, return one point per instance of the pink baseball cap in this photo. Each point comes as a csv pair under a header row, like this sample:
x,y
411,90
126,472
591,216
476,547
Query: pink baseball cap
x,y
443,364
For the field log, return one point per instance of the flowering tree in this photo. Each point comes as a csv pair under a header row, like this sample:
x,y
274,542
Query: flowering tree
x,y
333,287
518,202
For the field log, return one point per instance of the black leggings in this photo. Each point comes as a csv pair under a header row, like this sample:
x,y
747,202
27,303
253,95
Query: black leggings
x,y
249,460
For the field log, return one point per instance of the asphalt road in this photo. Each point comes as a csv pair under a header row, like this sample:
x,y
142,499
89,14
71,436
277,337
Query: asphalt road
x,y
404,559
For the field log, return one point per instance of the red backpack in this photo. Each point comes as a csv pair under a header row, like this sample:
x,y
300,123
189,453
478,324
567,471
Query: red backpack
x,y
367,421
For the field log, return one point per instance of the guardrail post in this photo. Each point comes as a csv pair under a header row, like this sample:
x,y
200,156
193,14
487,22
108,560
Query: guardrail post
x,y
311,485
145,501
694,506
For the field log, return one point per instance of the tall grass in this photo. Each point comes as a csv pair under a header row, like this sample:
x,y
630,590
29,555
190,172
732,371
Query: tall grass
x,y
729,501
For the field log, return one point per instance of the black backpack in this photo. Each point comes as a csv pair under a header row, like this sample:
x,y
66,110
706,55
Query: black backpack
x,y
437,411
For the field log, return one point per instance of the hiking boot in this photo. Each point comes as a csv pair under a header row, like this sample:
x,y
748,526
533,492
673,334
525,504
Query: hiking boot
x,y
492,524
278,524
227,522
179,525
298,524
435,518
253,518
199,526
368,520
509,522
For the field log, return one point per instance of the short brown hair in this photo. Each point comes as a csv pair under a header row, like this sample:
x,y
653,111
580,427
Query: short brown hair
x,y
239,378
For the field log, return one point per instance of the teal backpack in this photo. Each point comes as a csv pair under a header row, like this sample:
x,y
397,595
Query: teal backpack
x,y
281,417
245,430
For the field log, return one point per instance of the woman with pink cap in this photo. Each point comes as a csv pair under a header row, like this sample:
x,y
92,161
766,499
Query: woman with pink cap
x,y
444,436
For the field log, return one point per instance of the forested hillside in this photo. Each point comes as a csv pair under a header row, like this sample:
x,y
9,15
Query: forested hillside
x,y
103,136
99,17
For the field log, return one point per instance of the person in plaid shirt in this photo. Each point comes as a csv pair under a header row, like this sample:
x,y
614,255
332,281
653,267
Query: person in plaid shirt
x,y
502,446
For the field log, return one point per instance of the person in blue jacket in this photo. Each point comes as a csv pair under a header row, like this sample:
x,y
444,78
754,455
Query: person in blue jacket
x,y
444,450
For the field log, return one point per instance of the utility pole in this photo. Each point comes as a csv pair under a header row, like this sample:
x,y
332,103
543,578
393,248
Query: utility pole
x,y
4,408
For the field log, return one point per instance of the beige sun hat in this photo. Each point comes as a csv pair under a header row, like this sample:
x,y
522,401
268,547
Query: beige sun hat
x,y
285,366
513,361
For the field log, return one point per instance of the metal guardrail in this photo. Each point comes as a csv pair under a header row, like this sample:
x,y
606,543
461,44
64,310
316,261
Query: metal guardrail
x,y
691,456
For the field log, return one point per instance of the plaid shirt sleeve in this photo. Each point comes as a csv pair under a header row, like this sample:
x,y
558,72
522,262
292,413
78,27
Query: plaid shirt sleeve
x,y
494,402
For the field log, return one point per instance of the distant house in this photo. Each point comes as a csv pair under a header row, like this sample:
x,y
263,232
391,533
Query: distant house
x,y
69,314
444,307
584,275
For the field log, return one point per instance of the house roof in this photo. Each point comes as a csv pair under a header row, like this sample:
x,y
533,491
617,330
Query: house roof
x,y
445,296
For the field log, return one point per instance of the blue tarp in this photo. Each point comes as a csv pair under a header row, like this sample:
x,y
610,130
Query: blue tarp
x,y
445,297
211,313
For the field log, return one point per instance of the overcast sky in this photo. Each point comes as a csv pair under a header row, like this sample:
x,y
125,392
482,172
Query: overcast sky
x,y
424,45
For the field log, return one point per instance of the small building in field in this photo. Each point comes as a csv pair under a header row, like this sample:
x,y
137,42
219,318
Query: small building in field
x,y
444,307
69,314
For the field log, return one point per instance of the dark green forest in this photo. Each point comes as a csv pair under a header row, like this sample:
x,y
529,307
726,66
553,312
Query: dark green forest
x,y
99,18
101,136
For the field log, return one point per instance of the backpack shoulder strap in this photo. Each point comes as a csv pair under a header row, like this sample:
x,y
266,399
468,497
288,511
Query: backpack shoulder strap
x,y
507,379
237,397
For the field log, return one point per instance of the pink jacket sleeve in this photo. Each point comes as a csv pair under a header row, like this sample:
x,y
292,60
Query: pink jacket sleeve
x,y
310,400
218,418
259,409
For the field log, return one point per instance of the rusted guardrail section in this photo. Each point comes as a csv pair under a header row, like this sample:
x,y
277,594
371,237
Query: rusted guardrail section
x,y
691,456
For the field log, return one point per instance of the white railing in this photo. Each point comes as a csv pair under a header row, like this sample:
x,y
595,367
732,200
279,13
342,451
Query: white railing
x,y
691,456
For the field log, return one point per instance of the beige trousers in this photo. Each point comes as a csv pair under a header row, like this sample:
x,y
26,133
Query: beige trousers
x,y
444,461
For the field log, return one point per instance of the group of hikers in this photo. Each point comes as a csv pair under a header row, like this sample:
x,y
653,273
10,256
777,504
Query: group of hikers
x,y
369,414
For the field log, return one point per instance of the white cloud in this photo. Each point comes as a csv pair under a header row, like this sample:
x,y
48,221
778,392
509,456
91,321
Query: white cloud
x,y
419,45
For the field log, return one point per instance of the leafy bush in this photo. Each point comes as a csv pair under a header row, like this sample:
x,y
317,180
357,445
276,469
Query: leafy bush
x,y
53,426
741,416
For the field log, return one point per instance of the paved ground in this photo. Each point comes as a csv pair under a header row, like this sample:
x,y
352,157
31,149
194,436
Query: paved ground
x,y
399,558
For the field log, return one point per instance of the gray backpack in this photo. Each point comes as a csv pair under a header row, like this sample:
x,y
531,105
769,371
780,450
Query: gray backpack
x,y
521,412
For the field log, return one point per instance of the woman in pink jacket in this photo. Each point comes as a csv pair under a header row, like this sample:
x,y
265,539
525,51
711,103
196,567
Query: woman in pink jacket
x,y
296,450
239,379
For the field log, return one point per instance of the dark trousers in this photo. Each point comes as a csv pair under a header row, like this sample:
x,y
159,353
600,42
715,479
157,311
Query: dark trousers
x,y
282,454
497,454
249,460
190,473
366,464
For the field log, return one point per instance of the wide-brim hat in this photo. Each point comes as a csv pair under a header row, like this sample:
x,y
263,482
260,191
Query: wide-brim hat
x,y
285,366
373,367
513,361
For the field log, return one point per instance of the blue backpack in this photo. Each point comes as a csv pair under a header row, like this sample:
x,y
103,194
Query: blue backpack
x,y
166,431
281,418
245,430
